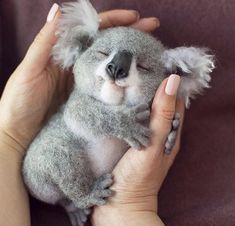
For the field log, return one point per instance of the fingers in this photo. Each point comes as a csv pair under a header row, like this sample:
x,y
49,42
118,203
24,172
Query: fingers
x,y
163,111
123,17
39,52
147,24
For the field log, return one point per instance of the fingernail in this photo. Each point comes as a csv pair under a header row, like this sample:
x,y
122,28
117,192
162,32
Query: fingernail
x,y
52,12
172,85
156,20
137,14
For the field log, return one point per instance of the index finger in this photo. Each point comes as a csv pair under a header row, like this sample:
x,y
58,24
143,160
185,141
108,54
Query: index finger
x,y
118,17
146,24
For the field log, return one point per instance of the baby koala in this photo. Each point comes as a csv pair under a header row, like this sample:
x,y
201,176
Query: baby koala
x,y
117,72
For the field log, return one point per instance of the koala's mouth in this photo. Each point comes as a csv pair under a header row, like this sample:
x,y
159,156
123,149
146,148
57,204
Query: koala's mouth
x,y
118,91
120,83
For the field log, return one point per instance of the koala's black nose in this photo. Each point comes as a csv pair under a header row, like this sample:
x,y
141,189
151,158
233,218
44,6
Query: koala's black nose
x,y
120,65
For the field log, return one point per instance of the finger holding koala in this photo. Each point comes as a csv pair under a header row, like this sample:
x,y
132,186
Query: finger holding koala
x,y
147,24
114,18
118,17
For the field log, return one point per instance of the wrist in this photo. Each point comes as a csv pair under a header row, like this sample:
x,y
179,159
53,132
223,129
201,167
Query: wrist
x,y
128,207
9,145
14,206
103,215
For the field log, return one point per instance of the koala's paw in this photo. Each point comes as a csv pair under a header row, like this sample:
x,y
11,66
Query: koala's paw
x,y
138,131
79,217
101,191
170,142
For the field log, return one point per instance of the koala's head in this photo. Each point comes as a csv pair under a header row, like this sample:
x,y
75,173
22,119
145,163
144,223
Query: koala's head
x,y
123,65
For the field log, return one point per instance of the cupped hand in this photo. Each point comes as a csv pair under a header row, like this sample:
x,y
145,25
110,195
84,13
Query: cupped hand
x,y
37,86
139,175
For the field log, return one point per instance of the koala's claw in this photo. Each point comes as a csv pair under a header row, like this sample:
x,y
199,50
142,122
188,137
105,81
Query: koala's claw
x,y
103,193
143,116
139,133
134,144
140,138
101,190
105,180
173,134
141,108
140,112
143,136
137,145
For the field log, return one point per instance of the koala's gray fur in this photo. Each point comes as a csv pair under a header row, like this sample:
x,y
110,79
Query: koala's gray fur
x,y
71,159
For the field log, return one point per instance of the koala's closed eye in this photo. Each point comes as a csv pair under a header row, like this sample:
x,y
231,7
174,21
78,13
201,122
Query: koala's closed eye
x,y
143,68
103,53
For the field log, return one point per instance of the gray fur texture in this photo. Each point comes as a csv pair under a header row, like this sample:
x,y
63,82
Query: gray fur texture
x,y
71,159
170,141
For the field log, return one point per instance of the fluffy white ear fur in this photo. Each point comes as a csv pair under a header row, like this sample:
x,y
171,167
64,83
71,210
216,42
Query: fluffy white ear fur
x,y
78,25
196,65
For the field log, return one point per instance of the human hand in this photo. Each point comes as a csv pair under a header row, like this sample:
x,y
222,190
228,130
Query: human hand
x,y
37,86
139,175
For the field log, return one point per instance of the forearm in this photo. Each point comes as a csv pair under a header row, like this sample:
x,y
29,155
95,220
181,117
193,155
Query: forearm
x,y
14,205
140,219
103,217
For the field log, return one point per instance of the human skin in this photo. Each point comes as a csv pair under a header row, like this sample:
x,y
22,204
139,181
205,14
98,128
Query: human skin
x,y
33,92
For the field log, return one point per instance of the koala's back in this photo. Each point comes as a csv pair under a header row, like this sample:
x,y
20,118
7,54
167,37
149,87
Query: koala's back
x,y
46,157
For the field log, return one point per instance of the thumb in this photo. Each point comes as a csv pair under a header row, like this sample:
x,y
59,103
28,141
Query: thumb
x,y
163,110
39,52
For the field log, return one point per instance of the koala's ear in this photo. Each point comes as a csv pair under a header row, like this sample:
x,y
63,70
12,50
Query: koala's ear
x,y
78,25
194,65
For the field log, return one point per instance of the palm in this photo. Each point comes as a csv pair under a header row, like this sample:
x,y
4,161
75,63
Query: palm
x,y
59,85
38,96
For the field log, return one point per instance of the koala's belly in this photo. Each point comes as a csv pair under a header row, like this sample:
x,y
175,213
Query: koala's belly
x,y
104,153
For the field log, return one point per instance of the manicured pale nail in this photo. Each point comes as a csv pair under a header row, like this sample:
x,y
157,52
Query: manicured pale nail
x,y
172,85
156,20
137,14
52,13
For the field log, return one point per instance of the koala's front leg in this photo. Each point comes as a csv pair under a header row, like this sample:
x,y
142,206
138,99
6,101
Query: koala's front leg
x,y
126,123
134,126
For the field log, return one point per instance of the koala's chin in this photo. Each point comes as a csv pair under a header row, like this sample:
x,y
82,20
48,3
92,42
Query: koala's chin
x,y
111,93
